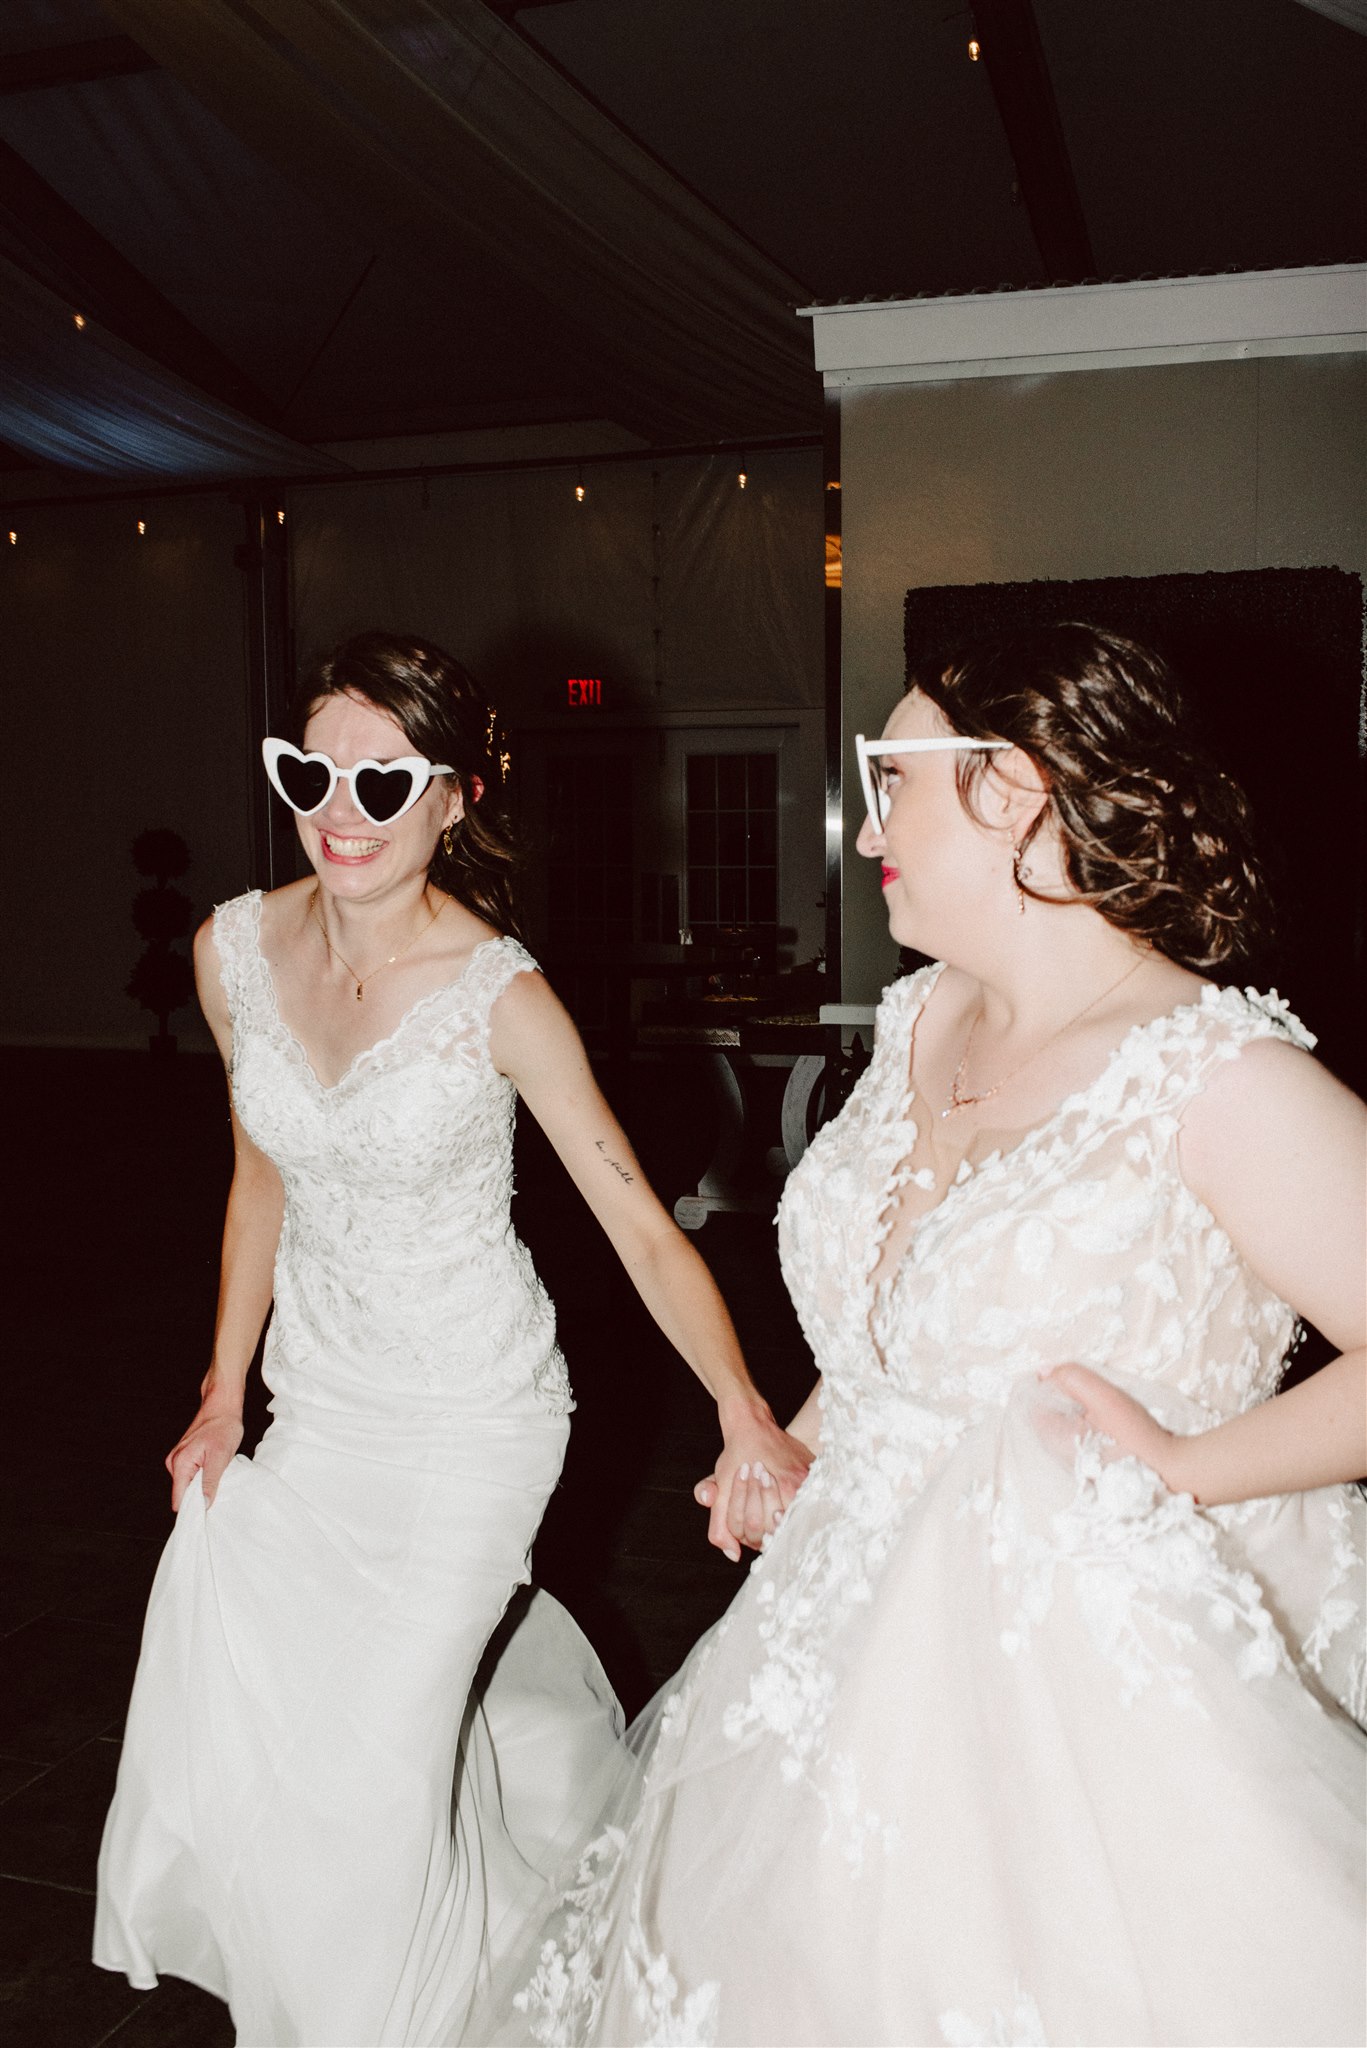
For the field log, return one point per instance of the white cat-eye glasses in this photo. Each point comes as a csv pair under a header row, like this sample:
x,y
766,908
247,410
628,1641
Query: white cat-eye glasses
x,y
877,795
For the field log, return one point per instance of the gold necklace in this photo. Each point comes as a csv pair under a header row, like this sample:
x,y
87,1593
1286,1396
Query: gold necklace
x,y
361,979
960,1098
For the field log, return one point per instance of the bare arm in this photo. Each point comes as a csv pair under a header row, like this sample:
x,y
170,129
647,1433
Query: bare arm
x,y
1277,1150
251,1232
533,1041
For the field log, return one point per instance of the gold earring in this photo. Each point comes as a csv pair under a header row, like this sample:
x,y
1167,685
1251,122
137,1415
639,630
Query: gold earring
x,y
1019,874
450,845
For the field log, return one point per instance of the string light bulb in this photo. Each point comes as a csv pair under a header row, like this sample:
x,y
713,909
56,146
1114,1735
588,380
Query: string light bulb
x,y
142,529
13,538
579,492
975,49
78,320
742,474
280,515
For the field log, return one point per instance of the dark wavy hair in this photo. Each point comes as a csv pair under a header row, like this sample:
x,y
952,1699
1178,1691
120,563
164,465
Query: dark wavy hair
x,y
1154,835
440,709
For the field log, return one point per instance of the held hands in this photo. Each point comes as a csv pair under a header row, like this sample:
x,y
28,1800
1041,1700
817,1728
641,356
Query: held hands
x,y
757,1477
208,1446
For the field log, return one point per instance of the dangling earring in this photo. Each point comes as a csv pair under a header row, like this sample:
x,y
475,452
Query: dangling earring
x,y
1019,874
448,842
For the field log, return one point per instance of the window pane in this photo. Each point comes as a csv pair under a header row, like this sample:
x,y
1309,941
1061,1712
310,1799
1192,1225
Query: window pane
x,y
731,782
762,843
763,896
702,838
731,839
763,779
731,895
702,781
702,896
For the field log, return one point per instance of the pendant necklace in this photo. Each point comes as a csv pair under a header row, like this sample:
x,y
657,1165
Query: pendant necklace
x,y
962,1098
361,979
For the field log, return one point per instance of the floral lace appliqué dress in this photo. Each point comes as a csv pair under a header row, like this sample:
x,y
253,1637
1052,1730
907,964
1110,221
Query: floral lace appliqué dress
x,y
1001,1743
284,1831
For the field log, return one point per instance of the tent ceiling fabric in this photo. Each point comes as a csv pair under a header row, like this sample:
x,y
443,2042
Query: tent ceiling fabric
x,y
1352,13
84,400
440,131
400,217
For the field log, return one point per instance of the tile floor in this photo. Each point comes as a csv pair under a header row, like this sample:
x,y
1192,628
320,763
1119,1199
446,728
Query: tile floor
x,y
109,1265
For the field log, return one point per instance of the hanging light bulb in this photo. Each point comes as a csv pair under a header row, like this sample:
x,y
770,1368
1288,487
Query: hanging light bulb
x,y
742,474
78,319
13,538
975,49
142,529
579,492
280,515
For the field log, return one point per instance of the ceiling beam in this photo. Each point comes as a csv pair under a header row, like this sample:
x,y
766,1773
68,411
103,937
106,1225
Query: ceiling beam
x,y
73,64
1019,77
60,247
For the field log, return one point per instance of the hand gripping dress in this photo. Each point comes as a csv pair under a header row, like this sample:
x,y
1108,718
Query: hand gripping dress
x,y
1002,1743
283,1831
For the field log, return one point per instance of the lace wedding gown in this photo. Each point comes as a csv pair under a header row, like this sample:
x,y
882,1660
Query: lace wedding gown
x,y
1001,1743
283,1830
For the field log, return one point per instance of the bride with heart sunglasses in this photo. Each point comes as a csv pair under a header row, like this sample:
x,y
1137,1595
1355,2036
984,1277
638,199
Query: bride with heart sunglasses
x,y
284,1832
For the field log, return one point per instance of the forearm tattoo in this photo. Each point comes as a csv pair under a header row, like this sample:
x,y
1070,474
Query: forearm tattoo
x,y
615,1164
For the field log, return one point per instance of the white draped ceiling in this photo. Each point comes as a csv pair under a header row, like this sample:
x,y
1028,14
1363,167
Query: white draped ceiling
x,y
434,130
81,398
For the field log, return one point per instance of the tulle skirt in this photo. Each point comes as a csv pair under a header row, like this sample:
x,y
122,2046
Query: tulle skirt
x,y
998,1744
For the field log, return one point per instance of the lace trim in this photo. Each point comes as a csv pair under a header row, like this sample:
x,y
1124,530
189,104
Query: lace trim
x,y
491,966
1141,1068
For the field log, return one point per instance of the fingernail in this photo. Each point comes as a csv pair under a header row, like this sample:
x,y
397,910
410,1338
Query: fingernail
x,y
762,1475
778,1516
744,1472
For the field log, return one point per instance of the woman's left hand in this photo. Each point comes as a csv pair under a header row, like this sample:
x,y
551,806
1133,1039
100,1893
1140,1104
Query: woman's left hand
x,y
1125,1422
757,1478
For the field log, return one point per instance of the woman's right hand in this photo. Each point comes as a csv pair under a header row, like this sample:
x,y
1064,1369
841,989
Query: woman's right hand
x,y
208,1447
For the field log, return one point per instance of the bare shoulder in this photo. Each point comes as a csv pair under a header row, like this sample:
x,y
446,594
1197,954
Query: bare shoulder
x,y
530,1030
1271,1105
213,997
284,910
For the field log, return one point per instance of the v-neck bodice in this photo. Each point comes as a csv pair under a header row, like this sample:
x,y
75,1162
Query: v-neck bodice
x,y
1081,1241
398,1275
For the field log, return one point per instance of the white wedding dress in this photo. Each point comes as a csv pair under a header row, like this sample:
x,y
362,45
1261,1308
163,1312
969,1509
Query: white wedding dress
x,y
284,1832
1001,1743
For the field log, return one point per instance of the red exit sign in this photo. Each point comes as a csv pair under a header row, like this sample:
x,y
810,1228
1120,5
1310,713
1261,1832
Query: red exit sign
x,y
584,690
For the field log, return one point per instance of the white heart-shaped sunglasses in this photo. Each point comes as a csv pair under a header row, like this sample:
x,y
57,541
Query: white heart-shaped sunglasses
x,y
381,790
877,796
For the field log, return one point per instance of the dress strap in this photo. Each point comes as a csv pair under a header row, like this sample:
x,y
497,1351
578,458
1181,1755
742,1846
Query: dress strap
x,y
492,966
237,937
1164,1065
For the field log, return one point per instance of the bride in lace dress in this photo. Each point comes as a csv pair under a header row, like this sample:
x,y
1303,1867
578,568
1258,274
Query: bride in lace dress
x,y
283,1830
1033,1721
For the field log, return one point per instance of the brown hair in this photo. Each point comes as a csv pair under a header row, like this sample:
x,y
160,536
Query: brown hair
x,y
440,710
1154,835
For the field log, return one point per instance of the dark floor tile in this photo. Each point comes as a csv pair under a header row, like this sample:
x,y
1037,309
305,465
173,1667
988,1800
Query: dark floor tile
x,y
98,1486
15,1773
64,1682
664,1522
83,1574
50,1833
175,2015
51,1995
681,1600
